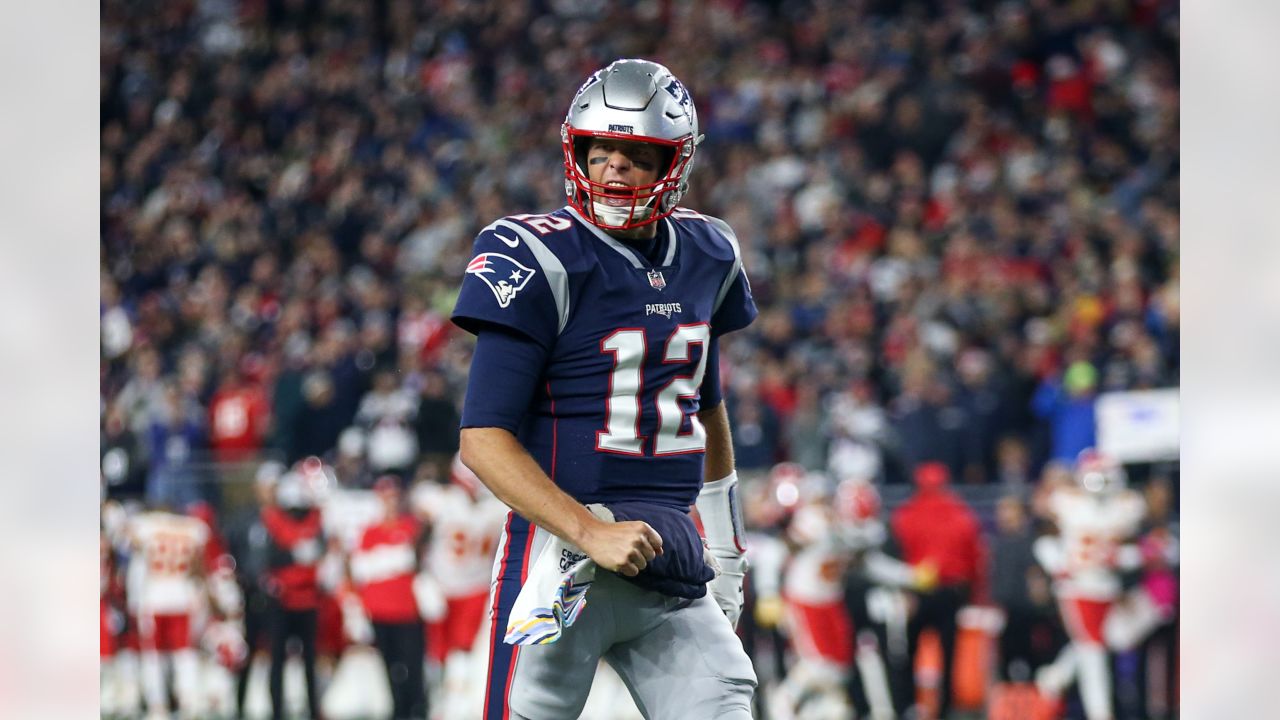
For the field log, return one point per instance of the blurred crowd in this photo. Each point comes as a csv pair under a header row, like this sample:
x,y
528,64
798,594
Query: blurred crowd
x,y
960,220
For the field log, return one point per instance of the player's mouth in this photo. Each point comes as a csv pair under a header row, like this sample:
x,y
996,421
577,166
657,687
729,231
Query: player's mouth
x,y
616,194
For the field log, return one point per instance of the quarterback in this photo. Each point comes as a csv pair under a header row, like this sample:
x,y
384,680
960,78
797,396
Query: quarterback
x,y
594,383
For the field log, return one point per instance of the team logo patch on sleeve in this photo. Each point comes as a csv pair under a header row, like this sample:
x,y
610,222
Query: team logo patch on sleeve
x,y
505,276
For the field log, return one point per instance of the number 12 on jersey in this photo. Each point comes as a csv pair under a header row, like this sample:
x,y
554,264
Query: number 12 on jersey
x,y
626,383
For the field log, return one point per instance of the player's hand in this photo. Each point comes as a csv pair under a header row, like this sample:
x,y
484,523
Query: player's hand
x,y
726,586
924,576
769,611
623,547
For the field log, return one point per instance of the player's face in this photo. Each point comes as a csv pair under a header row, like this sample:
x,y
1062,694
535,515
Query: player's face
x,y
390,499
623,163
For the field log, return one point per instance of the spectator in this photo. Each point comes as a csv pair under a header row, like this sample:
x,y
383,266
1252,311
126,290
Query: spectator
x,y
437,423
238,415
386,413
936,528
807,434
123,461
932,426
1013,463
142,397
288,401
321,421
978,395
1067,405
755,436
174,435
349,465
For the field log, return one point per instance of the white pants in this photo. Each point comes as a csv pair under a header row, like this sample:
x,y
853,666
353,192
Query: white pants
x,y
678,658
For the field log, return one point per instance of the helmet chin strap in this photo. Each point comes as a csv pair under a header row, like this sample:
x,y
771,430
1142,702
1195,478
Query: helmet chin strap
x,y
620,215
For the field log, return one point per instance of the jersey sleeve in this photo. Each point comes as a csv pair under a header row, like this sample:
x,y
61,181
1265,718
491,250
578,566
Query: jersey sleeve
x,y
734,308
505,370
738,308
514,282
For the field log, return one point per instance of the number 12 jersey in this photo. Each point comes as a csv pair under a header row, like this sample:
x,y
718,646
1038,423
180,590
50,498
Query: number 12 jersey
x,y
614,416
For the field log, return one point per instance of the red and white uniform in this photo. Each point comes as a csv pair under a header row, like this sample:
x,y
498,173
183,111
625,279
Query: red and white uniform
x,y
1093,530
383,568
1085,561
169,549
460,556
813,591
166,592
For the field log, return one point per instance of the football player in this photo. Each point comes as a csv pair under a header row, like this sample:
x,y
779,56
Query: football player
x,y
595,380
466,520
383,569
169,552
1097,517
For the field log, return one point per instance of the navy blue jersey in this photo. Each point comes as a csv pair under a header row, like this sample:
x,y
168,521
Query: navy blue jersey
x,y
614,418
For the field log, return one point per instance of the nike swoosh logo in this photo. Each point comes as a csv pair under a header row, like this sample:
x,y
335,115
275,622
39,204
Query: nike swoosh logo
x,y
509,242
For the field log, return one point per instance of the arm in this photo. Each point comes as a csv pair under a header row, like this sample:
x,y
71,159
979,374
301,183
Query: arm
x,y
505,369
719,459
507,469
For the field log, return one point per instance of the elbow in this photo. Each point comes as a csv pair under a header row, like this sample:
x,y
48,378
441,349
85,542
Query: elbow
x,y
478,444
469,448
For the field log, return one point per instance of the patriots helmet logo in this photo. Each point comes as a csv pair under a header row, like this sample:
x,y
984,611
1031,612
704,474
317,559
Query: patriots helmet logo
x,y
504,275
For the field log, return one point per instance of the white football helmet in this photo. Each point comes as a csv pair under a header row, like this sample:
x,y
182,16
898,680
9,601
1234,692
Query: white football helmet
x,y
1098,473
637,101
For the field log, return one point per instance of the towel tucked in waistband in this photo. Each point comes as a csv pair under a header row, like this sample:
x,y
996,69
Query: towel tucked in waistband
x,y
555,592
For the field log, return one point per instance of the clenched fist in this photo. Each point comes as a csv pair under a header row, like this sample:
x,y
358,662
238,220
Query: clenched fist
x,y
624,547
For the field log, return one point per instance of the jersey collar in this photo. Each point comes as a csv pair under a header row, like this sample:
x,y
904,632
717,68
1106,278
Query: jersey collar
x,y
631,255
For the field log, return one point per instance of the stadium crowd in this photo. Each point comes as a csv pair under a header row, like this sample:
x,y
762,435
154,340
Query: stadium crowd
x,y
960,220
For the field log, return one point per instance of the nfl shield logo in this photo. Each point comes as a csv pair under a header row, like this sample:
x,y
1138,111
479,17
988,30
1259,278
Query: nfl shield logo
x,y
656,280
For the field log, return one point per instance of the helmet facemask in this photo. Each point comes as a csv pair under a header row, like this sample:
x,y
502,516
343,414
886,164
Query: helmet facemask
x,y
622,208
1098,474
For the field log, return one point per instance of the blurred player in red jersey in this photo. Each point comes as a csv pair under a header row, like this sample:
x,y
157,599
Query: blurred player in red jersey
x,y
837,536
1096,517
383,569
936,527
169,551
120,691
296,545
466,521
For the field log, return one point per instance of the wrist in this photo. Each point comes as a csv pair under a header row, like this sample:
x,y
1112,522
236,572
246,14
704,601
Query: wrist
x,y
721,515
586,525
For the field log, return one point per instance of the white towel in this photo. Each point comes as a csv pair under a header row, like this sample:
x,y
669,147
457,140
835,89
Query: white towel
x,y
555,592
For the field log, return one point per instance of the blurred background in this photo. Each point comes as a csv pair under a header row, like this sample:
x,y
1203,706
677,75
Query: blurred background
x,y
960,219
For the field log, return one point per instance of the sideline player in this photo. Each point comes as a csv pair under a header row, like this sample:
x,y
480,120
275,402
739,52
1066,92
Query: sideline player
x,y
170,550
1097,518
595,380
465,520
